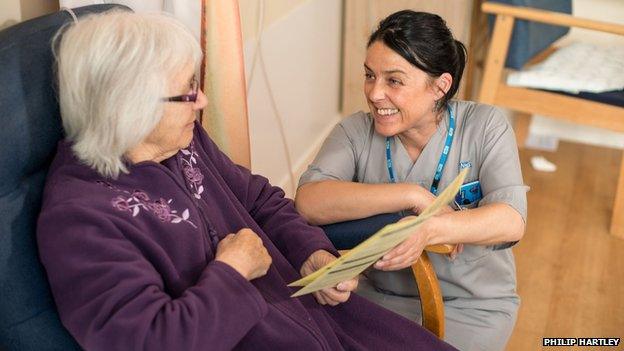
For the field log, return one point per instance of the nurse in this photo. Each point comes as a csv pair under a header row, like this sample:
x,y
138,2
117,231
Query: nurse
x,y
406,150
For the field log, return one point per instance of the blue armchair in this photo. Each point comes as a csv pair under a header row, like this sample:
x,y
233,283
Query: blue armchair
x,y
30,130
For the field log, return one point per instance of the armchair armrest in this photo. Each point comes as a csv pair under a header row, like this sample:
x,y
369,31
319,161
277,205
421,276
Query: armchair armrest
x,y
346,235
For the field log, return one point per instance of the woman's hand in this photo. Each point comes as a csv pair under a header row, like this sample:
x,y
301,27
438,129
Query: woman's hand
x,y
328,296
245,253
407,252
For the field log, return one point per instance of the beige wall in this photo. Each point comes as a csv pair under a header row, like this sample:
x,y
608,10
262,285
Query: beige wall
x,y
273,11
35,8
301,43
13,11
9,12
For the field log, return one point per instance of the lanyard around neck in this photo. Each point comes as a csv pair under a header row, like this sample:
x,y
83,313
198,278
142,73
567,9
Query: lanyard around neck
x,y
441,162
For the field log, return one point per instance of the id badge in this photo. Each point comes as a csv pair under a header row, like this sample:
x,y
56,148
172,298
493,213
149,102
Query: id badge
x,y
469,193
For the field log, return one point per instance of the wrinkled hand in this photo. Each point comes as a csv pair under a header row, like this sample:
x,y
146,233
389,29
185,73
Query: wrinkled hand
x,y
407,252
245,252
328,296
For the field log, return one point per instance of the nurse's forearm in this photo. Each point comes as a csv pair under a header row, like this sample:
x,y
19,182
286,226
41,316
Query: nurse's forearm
x,y
332,201
487,225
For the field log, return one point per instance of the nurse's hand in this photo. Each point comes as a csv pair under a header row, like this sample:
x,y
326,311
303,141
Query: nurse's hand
x,y
328,296
407,252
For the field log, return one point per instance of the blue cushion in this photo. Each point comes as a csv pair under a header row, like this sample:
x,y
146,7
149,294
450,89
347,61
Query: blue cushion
x,y
30,131
530,38
614,97
346,235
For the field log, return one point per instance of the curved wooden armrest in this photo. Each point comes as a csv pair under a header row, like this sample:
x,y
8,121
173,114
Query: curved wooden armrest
x,y
440,248
431,303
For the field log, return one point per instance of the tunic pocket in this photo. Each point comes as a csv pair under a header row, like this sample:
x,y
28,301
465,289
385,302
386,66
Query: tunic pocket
x,y
474,253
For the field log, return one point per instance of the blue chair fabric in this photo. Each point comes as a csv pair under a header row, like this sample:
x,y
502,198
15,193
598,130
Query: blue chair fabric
x,y
614,97
346,235
530,38
31,128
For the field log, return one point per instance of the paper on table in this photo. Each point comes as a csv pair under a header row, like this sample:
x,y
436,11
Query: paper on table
x,y
369,251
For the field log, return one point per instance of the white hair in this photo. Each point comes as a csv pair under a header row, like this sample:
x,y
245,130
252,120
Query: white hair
x,y
113,70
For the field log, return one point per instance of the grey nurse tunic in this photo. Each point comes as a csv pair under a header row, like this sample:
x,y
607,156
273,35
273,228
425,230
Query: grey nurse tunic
x,y
479,286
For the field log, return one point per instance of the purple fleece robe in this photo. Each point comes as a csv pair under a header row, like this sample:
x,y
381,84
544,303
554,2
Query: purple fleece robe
x,y
131,262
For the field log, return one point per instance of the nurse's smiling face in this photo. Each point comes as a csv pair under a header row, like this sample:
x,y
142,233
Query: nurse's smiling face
x,y
400,96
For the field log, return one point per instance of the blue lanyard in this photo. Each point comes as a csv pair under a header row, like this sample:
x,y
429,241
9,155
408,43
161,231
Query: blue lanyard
x,y
443,156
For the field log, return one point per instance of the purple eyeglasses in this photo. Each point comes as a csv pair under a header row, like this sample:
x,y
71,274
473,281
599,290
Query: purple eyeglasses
x,y
192,97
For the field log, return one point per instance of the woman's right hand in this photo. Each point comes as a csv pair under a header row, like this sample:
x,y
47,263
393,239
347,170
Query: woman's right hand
x,y
245,253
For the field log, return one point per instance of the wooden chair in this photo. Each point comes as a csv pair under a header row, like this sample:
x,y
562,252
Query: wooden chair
x,y
226,120
346,235
432,305
526,101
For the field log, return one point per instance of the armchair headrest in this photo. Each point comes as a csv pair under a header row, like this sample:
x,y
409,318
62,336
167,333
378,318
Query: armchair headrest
x,y
30,120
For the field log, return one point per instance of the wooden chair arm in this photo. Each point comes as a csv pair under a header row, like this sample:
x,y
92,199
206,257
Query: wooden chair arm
x,y
551,17
440,248
431,303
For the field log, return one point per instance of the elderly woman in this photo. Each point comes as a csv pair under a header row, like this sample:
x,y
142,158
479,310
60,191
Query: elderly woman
x,y
153,239
396,158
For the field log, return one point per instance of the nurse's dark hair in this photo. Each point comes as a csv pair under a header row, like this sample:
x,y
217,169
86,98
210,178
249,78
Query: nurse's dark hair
x,y
425,41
